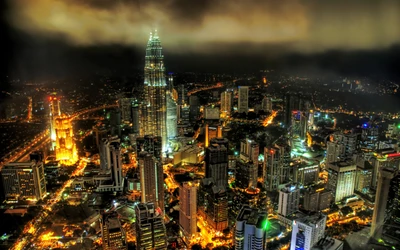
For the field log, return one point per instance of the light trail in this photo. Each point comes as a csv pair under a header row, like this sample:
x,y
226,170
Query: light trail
x,y
267,121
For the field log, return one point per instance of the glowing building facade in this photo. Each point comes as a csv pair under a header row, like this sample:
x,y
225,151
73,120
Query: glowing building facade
x,y
154,110
65,147
113,235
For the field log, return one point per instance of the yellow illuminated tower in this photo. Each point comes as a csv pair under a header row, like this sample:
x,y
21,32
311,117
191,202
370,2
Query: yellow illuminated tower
x,y
154,110
65,147
55,111
29,117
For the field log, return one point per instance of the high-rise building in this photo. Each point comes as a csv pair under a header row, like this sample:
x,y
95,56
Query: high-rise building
x,y
251,229
150,144
188,209
385,158
125,104
305,172
245,175
276,169
172,116
135,117
216,160
226,103
363,177
266,104
307,231
112,233
154,111
24,180
213,204
386,174
211,113
65,146
55,111
289,198
243,101
150,228
212,130
342,178
115,122
249,151
341,147
151,179
317,199
111,162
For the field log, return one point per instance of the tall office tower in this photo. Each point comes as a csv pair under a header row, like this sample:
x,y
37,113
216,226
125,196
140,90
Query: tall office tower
x,y
276,169
65,146
307,231
211,113
194,108
188,209
112,233
386,174
150,228
172,116
291,103
213,204
305,172
384,158
24,180
245,175
363,177
30,105
182,95
125,105
100,133
154,112
111,161
184,114
135,117
266,104
115,122
341,147
369,137
151,179
212,130
317,199
251,229
334,151
249,151
55,111
243,101
217,161
150,144
289,198
341,178
226,103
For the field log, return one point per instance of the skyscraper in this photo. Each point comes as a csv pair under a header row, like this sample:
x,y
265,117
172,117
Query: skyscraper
x,y
150,144
151,179
24,180
276,169
251,229
110,161
172,116
150,228
112,233
307,231
188,209
243,101
226,103
341,178
125,104
266,104
217,161
289,198
154,110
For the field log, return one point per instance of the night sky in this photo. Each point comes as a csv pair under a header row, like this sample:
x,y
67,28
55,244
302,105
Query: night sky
x,y
48,38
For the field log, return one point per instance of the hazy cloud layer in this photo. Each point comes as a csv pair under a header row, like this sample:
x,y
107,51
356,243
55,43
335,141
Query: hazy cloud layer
x,y
210,25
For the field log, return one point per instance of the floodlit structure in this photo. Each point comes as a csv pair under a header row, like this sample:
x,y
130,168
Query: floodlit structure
x,y
65,146
55,111
154,110
226,103
342,178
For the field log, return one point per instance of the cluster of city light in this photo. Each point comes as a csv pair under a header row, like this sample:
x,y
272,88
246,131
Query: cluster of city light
x,y
267,121
65,146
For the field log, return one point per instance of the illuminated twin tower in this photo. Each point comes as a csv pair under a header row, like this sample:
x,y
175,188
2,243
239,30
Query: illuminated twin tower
x,y
154,110
61,134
